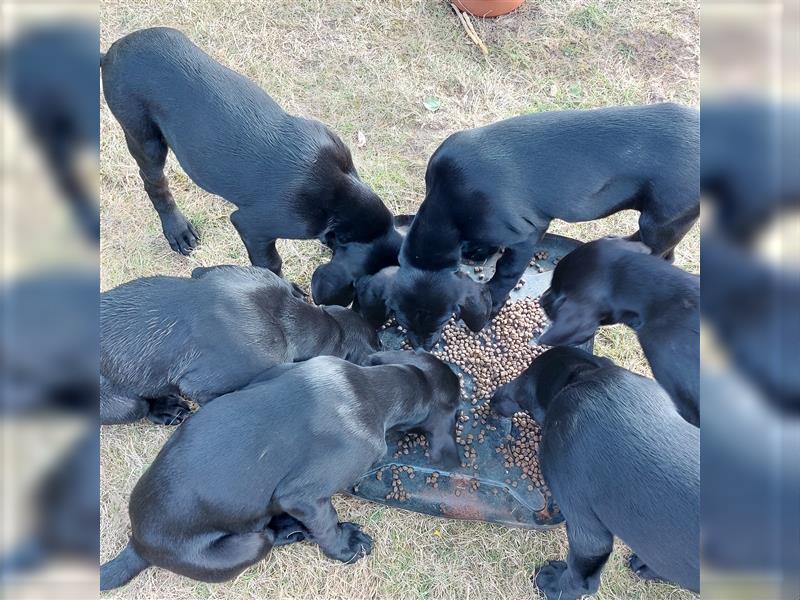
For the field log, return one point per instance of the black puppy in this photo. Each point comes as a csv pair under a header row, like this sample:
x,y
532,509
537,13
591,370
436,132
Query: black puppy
x,y
289,177
613,280
376,300
620,462
258,469
210,335
502,185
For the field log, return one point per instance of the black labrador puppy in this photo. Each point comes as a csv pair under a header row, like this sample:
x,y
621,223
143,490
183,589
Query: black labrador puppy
x,y
502,185
289,177
258,469
376,302
613,280
208,335
620,461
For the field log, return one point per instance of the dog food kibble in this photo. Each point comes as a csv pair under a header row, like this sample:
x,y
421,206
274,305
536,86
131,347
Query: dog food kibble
x,y
500,352
488,359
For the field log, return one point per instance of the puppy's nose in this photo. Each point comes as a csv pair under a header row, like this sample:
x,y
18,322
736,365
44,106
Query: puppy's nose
x,y
500,405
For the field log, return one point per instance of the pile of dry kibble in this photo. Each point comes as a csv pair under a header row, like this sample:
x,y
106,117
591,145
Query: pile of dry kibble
x,y
492,357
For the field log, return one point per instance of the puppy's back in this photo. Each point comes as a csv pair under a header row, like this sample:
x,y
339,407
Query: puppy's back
x,y
616,446
296,422
154,327
141,320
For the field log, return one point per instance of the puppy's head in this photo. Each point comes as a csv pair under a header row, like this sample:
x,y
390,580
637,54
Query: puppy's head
x,y
442,391
360,338
550,373
423,301
579,298
334,283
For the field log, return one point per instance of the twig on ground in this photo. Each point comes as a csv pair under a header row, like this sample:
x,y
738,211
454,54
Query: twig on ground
x,y
466,23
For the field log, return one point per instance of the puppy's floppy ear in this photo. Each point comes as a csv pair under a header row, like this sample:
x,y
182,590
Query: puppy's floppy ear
x,y
574,323
332,284
372,295
475,306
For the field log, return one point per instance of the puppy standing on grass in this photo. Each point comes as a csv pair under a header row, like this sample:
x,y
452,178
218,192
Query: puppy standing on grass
x,y
620,461
501,186
613,280
289,177
208,335
258,468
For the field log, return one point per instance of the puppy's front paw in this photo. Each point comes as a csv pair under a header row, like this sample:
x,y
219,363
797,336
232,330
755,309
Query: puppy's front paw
x,y
169,410
642,570
547,579
358,542
180,233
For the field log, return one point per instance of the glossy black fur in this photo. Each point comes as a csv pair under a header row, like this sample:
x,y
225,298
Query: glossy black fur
x,y
208,335
288,176
501,186
620,461
613,280
259,467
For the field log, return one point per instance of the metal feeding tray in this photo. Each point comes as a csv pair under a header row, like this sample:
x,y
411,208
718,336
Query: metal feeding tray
x,y
486,489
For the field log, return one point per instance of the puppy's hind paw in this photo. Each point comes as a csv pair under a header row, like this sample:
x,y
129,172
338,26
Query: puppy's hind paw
x,y
359,543
169,410
641,570
547,578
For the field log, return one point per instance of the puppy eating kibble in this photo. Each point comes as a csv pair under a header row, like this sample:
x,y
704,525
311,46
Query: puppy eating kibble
x,y
258,468
613,280
208,335
503,184
290,177
620,461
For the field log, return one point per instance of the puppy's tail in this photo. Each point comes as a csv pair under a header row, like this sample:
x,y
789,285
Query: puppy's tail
x,y
120,570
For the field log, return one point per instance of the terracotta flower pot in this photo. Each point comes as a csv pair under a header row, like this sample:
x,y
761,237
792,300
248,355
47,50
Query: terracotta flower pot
x,y
488,8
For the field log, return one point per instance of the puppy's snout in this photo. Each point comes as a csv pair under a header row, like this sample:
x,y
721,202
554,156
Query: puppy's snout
x,y
503,404
546,302
445,452
425,342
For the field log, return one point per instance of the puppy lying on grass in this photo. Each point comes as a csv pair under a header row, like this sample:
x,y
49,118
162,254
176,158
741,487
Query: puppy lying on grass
x,y
258,468
620,461
210,335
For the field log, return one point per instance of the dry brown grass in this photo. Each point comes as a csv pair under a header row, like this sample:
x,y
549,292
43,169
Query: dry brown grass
x,y
368,66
